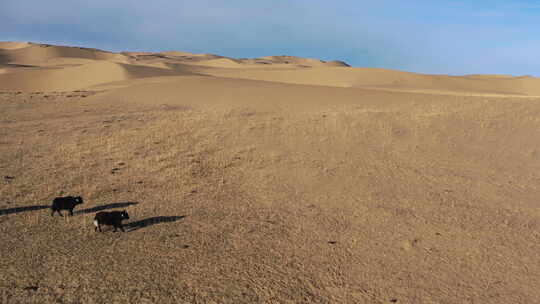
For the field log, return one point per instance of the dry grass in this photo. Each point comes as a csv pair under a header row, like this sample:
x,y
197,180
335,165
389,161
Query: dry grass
x,y
397,198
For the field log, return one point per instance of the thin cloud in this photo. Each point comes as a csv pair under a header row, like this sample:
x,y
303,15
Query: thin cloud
x,y
458,37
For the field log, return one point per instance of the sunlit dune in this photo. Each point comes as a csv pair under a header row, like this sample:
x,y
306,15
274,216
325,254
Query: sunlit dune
x,y
285,69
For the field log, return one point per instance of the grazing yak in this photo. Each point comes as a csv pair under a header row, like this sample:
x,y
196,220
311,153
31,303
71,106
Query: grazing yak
x,y
113,218
65,203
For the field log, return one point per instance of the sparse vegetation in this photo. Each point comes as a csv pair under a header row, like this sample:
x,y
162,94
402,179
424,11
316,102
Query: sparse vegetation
x,y
243,191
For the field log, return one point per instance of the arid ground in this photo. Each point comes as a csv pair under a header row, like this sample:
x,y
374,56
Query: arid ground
x,y
269,180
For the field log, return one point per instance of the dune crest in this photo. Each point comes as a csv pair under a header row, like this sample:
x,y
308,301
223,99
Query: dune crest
x,y
37,53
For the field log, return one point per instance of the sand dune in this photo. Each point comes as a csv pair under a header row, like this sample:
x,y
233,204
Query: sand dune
x,y
67,79
171,56
177,53
11,45
18,57
388,79
35,53
268,180
221,63
307,62
78,77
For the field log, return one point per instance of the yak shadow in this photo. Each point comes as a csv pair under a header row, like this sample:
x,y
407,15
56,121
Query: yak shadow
x,y
22,209
105,207
152,221
4,58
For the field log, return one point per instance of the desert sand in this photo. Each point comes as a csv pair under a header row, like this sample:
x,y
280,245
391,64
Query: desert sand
x,y
270,180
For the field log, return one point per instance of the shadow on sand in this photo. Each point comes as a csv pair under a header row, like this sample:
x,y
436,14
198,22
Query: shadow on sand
x,y
105,207
152,221
22,209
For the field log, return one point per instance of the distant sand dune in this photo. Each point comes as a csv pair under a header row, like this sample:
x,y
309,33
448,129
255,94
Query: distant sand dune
x,y
79,77
368,77
221,63
28,66
13,45
42,52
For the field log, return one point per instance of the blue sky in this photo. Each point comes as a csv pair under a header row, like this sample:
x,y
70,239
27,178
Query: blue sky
x,y
426,36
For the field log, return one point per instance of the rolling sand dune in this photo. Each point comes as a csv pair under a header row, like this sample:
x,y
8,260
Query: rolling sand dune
x,y
78,77
269,180
286,69
388,79
221,63
35,53
307,62
11,45
67,79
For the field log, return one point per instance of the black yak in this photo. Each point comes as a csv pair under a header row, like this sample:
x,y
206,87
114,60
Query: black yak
x,y
65,203
113,218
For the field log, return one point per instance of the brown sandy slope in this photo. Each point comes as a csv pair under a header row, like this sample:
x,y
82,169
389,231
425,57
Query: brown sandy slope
x,y
248,191
393,80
